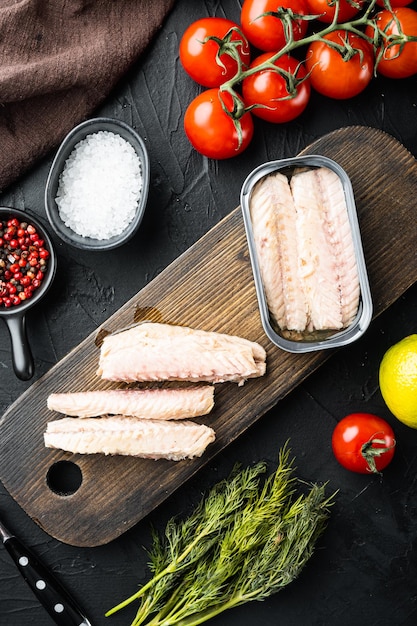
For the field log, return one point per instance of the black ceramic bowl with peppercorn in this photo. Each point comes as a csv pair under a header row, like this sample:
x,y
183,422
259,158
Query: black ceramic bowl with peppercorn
x,y
27,268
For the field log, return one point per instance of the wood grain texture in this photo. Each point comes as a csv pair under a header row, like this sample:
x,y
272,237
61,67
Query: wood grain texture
x,y
210,287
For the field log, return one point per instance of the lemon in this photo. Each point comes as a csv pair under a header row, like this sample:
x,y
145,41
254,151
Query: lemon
x,y
398,380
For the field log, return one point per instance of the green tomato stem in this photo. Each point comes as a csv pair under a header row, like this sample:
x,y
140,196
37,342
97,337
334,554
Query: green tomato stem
x,y
370,453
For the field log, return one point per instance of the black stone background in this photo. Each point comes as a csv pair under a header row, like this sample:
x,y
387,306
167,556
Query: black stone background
x,y
364,571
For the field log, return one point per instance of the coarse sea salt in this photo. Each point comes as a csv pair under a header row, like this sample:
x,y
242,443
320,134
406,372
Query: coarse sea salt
x,y
100,186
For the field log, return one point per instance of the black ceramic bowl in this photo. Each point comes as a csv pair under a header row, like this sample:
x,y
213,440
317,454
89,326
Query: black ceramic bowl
x,y
76,135
15,316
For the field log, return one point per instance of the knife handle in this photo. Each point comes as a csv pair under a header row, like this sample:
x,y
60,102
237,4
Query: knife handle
x,y
49,591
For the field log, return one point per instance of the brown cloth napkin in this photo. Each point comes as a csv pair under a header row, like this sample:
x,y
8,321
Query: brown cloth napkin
x,y
59,59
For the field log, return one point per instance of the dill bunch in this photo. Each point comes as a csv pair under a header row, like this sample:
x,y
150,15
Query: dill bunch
x,y
185,542
247,539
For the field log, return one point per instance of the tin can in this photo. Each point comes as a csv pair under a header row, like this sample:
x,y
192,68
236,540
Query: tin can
x,y
308,341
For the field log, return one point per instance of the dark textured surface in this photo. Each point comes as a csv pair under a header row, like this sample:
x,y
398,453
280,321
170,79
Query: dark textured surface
x,y
365,569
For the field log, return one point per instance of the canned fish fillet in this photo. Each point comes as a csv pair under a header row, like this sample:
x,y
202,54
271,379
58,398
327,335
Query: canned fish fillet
x,y
306,253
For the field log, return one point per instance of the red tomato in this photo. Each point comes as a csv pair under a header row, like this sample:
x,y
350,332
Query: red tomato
x,y
363,443
267,33
269,89
392,61
211,130
334,77
208,61
325,9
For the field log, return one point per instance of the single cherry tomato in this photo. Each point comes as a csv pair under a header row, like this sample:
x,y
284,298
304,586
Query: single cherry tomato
x,y
326,9
363,443
393,59
268,32
269,89
210,49
332,75
211,130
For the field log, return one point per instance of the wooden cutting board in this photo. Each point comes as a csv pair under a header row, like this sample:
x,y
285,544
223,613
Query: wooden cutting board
x,y
210,287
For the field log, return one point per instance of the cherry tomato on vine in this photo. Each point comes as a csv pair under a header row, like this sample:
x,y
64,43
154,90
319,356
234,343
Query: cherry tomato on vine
x,y
395,61
210,62
270,90
326,9
363,443
266,32
211,131
335,77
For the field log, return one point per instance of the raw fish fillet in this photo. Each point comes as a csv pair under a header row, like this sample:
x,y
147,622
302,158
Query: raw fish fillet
x,y
274,228
129,436
165,404
156,352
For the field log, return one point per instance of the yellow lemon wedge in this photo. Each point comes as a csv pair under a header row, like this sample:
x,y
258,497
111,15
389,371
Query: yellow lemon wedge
x,y
398,380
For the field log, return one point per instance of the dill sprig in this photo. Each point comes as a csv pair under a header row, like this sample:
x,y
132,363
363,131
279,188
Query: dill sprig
x,y
185,542
229,553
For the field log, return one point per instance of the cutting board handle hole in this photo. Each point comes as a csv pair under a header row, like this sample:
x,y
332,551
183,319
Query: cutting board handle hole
x,y
64,478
